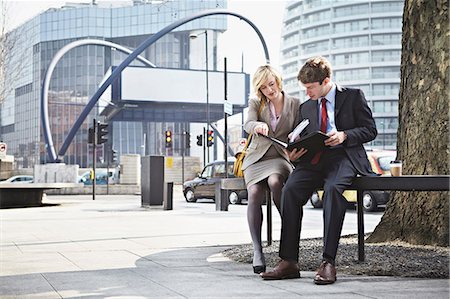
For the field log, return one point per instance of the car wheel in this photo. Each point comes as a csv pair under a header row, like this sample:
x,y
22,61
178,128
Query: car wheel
x,y
189,195
233,198
369,202
315,200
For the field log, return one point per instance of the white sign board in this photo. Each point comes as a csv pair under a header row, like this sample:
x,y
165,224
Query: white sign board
x,y
175,85
228,108
3,148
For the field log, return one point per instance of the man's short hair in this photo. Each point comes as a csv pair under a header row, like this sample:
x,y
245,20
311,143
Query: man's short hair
x,y
315,69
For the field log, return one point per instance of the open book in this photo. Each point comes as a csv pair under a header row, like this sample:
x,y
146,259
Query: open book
x,y
298,129
313,142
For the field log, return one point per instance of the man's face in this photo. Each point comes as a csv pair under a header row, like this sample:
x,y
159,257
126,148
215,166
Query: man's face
x,y
316,90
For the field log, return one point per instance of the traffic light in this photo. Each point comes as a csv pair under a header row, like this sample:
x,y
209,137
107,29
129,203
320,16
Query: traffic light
x,y
113,156
102,132
210,139
200,140
91,136
168,139
187,140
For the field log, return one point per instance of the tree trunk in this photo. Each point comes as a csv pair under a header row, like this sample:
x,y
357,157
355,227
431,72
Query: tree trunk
x,y
423,143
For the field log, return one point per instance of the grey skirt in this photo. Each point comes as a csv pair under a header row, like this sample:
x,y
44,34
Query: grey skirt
x,y
262,169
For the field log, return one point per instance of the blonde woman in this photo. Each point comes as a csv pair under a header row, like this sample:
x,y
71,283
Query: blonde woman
x,y
272,113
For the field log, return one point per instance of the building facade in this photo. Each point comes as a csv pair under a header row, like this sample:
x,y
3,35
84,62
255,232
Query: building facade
x,y
362,40
78,74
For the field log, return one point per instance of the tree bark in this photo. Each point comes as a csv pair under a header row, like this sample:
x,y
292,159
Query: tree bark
x,y
423,135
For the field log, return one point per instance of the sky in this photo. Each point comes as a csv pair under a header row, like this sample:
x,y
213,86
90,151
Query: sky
x,y
239,41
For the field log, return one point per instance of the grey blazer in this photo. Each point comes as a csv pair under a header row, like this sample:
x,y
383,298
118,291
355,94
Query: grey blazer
x,y
259,145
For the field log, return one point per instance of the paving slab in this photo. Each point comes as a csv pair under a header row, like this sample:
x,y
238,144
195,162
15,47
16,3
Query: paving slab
x,y
114,248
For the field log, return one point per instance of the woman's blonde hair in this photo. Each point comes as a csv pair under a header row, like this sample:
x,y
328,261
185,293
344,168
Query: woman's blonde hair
x,y
260,77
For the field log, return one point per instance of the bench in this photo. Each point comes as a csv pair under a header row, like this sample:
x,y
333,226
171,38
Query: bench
x,y
235,184
360,184
15,195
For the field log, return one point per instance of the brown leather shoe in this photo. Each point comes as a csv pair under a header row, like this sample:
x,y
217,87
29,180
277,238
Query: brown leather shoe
x,y
326,274
284,270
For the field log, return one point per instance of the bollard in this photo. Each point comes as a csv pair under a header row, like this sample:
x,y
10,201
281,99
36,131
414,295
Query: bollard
x,y
152,181
221,197
168,196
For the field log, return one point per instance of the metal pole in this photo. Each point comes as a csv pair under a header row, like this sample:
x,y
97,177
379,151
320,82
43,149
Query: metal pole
x,y
207,84
94,157
182,155
225,152
205,139
108,158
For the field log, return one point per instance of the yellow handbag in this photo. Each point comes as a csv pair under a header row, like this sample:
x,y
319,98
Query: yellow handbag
x,y
237,168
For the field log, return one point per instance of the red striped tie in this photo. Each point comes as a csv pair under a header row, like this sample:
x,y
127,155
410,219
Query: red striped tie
x,y
323,128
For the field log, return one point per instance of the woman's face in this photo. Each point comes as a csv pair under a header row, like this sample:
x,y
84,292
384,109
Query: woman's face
x,y
270,88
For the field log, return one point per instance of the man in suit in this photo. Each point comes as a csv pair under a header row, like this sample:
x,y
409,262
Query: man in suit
x,y
343,114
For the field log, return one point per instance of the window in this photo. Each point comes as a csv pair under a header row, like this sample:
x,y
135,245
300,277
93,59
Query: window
x,y
385,89
355,74
385,106
386,23
351,10
388,55
386,39
351,42
351,26
351,58
392,72
387,6
207,172
219,170
316,31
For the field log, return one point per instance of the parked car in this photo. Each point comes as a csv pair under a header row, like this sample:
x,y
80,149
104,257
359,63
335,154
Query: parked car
x,y
203,186
19,179
100,175
380,161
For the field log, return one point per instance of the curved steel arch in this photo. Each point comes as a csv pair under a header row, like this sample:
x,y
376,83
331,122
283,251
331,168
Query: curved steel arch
x,y
46,83
135,53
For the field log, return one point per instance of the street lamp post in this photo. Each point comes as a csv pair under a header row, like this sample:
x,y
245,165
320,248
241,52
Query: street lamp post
x,y
194,36
384,134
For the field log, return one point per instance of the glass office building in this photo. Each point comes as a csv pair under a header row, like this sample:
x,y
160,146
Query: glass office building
x,y
362,40
79,72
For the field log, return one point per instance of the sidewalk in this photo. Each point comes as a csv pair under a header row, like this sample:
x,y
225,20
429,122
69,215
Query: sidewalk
x,y
113,248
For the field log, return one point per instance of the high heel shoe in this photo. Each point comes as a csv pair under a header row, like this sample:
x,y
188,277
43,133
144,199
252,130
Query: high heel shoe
x,y
259,269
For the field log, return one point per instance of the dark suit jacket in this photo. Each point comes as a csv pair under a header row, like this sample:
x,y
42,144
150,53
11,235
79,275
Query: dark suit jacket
x,y
354,117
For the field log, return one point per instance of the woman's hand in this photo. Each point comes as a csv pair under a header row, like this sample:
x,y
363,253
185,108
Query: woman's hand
x,y
296,154
262,128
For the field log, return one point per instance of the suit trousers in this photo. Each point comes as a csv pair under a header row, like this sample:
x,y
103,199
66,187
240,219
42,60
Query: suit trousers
x,y
335,172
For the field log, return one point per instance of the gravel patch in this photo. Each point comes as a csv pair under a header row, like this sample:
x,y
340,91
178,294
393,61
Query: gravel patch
x,y
382,259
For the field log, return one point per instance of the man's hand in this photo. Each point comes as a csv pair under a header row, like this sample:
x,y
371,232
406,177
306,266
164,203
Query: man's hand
x,y
295,154
262,129
336,137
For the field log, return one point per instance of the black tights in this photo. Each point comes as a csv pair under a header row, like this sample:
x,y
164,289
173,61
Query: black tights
x,y
256,195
